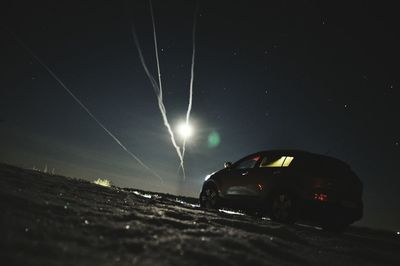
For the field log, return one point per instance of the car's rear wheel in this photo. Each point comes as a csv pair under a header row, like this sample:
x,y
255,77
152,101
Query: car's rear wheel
x,y
209,198
283,208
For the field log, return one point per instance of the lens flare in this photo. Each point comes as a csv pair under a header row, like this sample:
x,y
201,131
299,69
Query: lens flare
x,y
213,139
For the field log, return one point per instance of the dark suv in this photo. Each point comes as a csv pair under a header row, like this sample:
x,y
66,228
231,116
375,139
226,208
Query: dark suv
x,y
288,185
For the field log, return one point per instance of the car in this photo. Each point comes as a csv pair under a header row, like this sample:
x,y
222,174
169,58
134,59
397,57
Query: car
x,y
287,186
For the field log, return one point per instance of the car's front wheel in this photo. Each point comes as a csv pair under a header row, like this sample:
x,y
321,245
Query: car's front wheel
x,y
283,208
209,198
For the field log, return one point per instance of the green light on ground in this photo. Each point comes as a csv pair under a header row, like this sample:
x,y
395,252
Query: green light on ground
x,y
213,139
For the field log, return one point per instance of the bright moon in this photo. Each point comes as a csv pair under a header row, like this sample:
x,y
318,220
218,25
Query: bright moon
x,y
185,130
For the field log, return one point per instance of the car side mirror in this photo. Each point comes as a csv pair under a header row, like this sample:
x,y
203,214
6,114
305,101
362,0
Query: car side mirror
x,y
227,165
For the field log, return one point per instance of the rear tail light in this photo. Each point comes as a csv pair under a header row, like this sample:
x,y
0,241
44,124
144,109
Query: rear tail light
x,y
321,196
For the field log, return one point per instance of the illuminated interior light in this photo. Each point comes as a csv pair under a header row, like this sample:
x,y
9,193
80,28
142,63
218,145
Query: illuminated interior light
x,y
277,163
287,161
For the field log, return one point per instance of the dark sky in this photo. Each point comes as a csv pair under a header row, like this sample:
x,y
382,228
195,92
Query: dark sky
x,y
322,77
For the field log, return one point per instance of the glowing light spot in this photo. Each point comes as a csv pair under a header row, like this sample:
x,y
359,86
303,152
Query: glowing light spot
x,y
102,182
213,139
147,196
185,130
230,212
188,204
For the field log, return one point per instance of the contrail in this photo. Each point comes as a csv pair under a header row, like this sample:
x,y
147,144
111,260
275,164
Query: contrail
x,y
160,96
158,87
151,78
82,105
191,76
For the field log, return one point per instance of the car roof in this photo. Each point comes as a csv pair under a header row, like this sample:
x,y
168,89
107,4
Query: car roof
x,y
301,153
286,152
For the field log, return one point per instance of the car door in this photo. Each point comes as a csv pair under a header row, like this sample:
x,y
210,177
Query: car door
x,y
234,187
253,181
275,172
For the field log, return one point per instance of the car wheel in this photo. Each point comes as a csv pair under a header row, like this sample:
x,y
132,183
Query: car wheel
x,y
283,208
209,198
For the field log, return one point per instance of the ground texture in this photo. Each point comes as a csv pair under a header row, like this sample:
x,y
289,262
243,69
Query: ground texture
x,y
54,220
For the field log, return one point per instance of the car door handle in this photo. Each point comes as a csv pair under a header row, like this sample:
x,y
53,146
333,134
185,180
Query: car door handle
x,y
277,172
245,173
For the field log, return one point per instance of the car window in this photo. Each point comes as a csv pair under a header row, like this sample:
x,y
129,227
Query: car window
x,y
276,161
249,163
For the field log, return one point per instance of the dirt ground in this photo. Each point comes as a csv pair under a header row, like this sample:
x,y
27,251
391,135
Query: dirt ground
x,y
54,220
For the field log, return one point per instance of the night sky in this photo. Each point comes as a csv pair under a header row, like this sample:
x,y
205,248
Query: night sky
x,y
322,77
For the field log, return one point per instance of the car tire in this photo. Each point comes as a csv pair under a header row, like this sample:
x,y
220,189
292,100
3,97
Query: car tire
x,y
209,198
283,208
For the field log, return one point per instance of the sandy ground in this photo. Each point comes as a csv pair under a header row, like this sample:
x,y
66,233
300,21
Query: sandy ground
x,y
53,220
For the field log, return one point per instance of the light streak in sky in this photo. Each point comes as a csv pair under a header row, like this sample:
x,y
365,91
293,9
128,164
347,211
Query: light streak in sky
x,y
160,102
83,106
159,90
191,78
160,94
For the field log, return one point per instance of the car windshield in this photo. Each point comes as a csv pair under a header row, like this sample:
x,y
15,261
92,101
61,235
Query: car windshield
x,y
247,163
